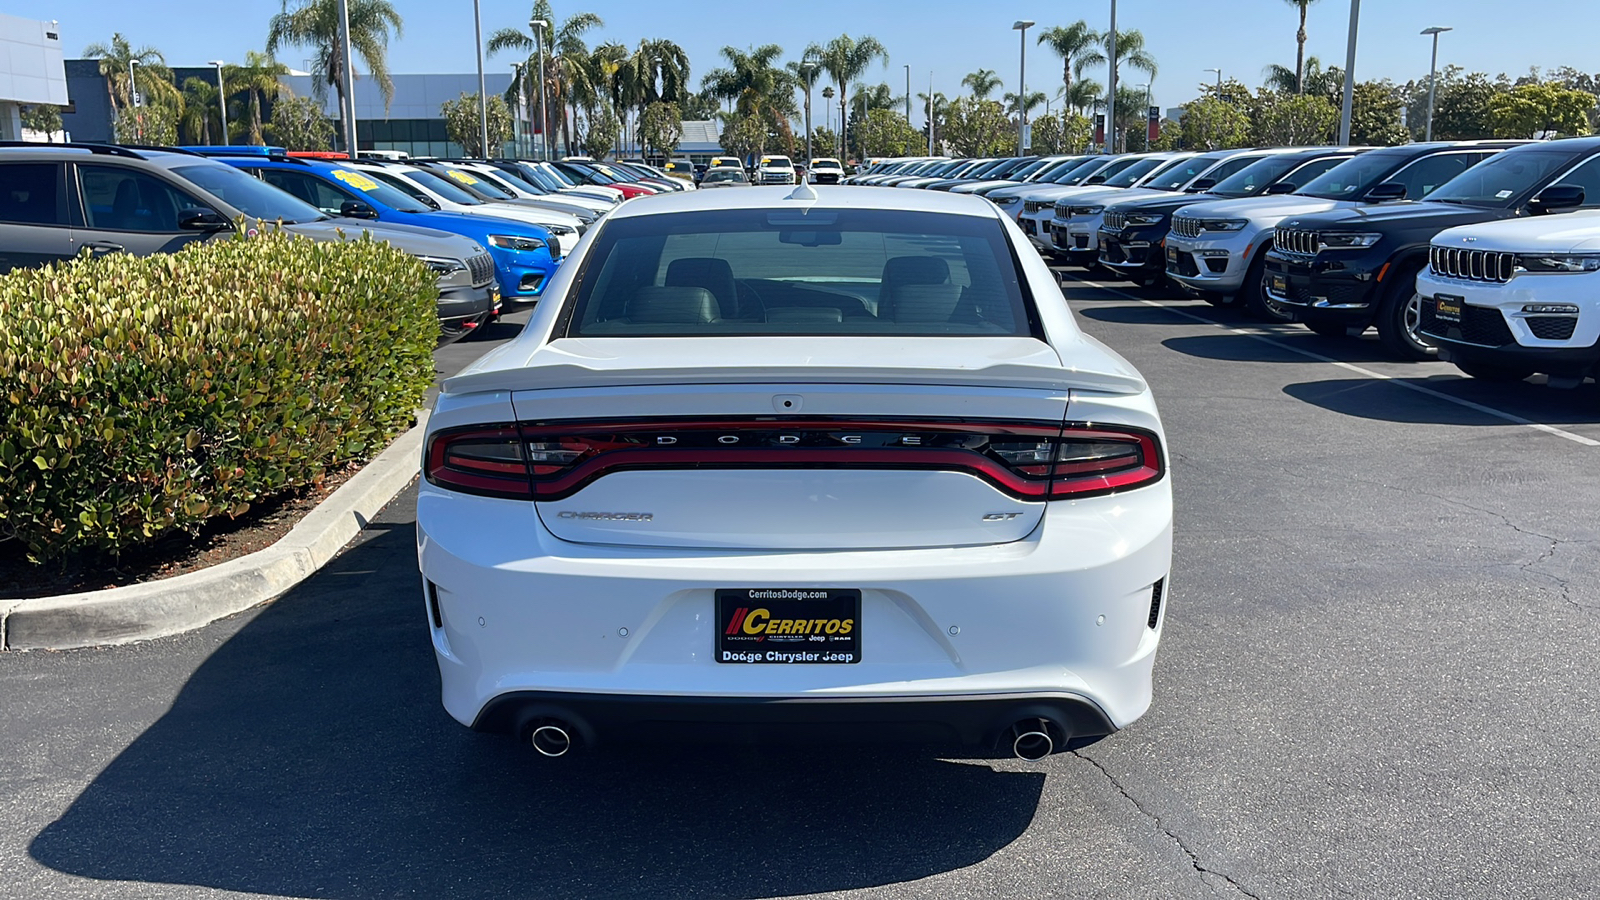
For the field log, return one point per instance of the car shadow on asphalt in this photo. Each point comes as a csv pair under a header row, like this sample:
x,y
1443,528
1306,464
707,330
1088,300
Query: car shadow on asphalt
x,y
308,756
1380,400
1289,345
1135,315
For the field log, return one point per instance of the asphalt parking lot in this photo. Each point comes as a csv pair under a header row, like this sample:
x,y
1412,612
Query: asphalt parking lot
x,y
1379,678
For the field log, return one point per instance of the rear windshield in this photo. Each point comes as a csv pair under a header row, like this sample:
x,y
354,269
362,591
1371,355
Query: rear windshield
x,y
793,272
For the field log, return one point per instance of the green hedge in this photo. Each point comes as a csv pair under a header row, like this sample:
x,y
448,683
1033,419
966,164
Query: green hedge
x,y
142,396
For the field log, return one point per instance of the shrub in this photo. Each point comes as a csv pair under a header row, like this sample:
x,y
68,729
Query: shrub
x,y
142,396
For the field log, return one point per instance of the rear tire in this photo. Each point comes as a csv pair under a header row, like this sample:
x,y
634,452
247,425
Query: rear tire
x,y
1400,315
1491,372
1220,300
1254,291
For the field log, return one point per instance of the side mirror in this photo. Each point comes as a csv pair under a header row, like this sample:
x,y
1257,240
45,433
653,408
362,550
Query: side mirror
x,y
1282,187
1383,193
1098,179
427,201
196,219
355,209
1556,198
1204,184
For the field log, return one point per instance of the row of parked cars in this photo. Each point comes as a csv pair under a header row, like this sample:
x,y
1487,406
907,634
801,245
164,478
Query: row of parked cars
x,y
1451,248
494,231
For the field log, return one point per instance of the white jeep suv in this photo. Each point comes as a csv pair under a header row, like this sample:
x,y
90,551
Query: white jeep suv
x,y
798,461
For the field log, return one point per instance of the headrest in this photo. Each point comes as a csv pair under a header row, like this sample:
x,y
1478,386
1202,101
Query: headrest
x,y
916,270
826,314
677,305
924,303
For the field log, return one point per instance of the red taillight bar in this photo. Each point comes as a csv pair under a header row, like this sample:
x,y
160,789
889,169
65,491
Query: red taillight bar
x,y
494,460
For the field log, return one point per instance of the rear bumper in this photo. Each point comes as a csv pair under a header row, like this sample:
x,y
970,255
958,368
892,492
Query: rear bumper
x,y
982,720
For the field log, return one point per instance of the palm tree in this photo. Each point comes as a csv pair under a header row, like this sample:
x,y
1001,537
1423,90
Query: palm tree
x,y
879,96
1312,79
847,59
827,94
657,72
1084,93
1300,45
1035,100
982,83
1130,50
199,108
1078,45
154,79
259,78
565,56
315,24
757,88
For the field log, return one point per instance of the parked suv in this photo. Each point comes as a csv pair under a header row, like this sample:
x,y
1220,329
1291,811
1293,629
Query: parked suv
x,y
1132,236
825,170
1506,299
775,170
57,200
1232,236
1343,271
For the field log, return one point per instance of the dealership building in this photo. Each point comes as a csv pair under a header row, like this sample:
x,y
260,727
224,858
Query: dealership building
x,y
31,71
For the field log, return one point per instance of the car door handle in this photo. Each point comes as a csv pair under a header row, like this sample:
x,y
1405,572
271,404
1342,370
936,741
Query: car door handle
x,y
100,248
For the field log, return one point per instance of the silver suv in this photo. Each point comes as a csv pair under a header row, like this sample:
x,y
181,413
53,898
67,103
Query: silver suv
x,y
57,200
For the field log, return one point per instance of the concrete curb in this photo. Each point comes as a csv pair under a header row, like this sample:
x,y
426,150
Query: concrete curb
x,y
139,612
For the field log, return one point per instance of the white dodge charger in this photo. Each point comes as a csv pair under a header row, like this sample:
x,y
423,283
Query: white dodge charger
x,y
798,462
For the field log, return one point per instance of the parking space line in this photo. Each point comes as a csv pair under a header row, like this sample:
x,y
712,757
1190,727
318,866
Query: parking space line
x,y
1260,335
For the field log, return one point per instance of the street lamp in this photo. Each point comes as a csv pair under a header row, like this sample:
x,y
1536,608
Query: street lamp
x,y
538,26
1020,26
516,111
1348,106
133,99
483,93
1433,71
222,101
1111,80
1219,80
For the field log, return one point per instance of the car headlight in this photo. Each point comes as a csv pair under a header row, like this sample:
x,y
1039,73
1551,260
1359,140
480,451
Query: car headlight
x,y
515,242
1145,218
1565,262
1088,211
1347,240
560,229
1223,224
1006,201
451,272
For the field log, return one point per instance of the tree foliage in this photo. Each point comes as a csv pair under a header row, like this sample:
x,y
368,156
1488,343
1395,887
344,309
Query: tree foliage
x,y
660,127
1293,120
976,127
742,135
1212,124
461,123
43,118
885,133
156,123
299,124
602,130
1375,115
314,24
1060,133
1534,110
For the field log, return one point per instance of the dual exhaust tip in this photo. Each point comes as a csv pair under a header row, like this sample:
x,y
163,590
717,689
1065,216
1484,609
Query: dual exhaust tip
x,y
1030,739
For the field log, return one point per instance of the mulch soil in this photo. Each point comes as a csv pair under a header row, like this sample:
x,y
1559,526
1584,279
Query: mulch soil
x,y
222,540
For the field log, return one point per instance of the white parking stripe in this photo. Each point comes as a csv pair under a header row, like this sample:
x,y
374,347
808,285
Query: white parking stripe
x,y
1261,335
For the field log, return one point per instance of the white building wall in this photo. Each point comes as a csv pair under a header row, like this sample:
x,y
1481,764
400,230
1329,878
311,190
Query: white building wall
x,y
31,67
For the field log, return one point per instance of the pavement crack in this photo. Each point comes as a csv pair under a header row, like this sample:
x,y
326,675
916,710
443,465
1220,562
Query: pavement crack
x,y
1194,858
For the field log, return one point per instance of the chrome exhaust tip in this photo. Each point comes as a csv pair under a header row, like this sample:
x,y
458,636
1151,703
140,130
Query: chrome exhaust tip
x,y
1031,740
552,740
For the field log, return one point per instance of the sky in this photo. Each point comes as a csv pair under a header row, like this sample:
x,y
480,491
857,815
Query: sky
x,y
941,39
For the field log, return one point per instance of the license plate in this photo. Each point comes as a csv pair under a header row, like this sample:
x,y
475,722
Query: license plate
x,y
1278,284
1172,255
788,626
1447,308
1104,245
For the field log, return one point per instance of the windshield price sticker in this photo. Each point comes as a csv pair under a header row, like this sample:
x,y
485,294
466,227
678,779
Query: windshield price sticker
x,y
462,177
788,626
355,179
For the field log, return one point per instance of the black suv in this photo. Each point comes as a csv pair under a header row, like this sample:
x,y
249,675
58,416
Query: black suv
x,y
1345,270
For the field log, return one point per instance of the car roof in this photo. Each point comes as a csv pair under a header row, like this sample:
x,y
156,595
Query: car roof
x,y
827,197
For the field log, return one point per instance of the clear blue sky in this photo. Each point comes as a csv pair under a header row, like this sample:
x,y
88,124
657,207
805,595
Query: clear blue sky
x,y
945,37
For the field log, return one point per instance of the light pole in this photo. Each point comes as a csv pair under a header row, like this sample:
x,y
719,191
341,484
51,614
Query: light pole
x,y
222,101
516,111
483,93
538,26
133,100
908,96
1219,80
1020,26
1433,72
1349,76
808,72
347,81
1111,91
931,111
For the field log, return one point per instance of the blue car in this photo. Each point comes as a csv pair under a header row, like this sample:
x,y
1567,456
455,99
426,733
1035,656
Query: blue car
x,y
523,253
